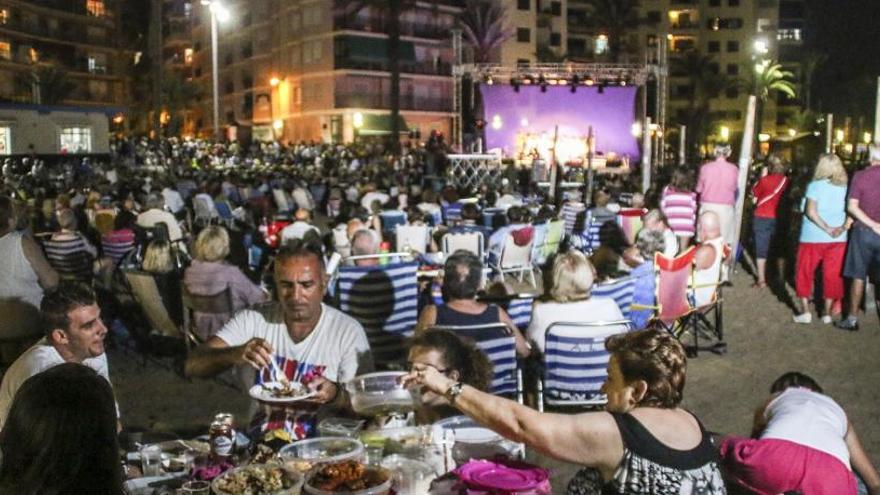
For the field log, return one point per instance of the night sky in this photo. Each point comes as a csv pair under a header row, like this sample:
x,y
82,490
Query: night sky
x,y
848,31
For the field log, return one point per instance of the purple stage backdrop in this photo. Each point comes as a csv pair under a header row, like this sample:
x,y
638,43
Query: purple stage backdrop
x,y
611,114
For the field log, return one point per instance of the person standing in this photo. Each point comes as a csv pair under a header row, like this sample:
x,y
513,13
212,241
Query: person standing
x,y
863,254
679,203
717,187
823,237
767,194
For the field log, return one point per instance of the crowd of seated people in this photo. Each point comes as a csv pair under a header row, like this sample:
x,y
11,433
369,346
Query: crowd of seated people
x,y
335,200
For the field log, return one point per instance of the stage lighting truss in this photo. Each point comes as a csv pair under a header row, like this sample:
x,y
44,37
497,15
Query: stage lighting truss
x,y
571,74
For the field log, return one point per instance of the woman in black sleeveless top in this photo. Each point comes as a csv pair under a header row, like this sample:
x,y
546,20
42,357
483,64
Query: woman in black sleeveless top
x,y
462,278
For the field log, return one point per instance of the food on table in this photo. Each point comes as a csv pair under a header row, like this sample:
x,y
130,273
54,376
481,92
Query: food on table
x,y
254,479
285,390
306,454
347,476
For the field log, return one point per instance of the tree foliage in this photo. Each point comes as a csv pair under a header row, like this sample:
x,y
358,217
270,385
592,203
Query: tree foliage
x,y
483,28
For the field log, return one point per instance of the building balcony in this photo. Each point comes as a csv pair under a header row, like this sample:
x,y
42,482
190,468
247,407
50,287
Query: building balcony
x,y
684,2
406,67
380,25
73,34
383,102
685,26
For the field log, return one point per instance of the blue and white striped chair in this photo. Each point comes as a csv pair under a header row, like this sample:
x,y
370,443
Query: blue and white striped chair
x,y
499,344
452,212
384,299
520,311
621,290
575,363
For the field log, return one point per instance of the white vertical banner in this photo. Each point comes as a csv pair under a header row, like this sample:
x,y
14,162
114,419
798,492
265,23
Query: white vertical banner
x,y
682,145
829,133
745,161
646,155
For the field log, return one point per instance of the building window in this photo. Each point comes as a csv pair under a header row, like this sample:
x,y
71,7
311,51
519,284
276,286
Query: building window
x,y
311,15
97,63
188,56
33,55
197,72
523,61
714,46
733,46
95,8
5,140
654,17
732,93
714,3
555,39
792,34
524,4
732,69
733,3
714,68
5,50
600,46
76,139
230,87
556,8
4,17
523,35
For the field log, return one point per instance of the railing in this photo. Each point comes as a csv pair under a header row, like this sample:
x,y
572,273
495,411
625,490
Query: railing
x,y
427,68
380,25
686,25
383,101
77,34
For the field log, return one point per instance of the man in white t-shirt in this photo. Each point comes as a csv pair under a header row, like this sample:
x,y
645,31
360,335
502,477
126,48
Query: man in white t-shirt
x,y
310,342
74,334
300,227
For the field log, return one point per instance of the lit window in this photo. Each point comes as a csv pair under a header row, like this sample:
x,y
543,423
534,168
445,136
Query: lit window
x,y
4,16
5,140
33,55
5,50
601,44
97,63
188,56
95,8
76,139
793,34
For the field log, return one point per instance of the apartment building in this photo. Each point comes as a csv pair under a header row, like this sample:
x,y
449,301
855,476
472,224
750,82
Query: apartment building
x,y
304,70
736,34
45,44
538,29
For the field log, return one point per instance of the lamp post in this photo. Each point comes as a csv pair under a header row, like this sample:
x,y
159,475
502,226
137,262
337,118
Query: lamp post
x,y
219,13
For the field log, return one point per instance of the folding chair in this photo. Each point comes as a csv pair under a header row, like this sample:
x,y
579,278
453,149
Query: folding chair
x,y
146,294
195,305
575,363
516,259
706,320
630,221
621,290
468,241
673,276
384,299
204,212
569,214
520,310
391,219
412,238
499,344
549,245
283,200
489,215
452,212
224,212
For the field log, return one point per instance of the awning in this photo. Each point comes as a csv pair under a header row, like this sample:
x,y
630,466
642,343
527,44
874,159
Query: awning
x,y
380,125
374,49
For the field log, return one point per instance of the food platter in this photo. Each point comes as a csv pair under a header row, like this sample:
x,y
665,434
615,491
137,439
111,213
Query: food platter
x,y
258,479
280,392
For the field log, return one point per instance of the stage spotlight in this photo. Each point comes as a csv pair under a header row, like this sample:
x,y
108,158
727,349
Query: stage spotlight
x,y
489,80
588,81
527,80
622,81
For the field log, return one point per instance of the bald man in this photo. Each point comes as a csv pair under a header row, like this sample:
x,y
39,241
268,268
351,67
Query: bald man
x,y
710,253
365,242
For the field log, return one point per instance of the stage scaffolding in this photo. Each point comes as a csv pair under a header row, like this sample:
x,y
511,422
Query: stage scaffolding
x,y
565,74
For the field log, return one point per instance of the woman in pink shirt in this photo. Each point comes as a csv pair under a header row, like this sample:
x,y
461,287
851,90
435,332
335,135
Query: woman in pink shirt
x,y
679,204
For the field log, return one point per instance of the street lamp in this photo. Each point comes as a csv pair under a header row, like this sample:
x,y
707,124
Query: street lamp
x,y
219,13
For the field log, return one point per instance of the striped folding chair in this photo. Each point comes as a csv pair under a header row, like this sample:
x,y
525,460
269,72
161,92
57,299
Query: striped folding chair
x,y
621,290
569,214
452,212
384,299
520,310
575,363
499,344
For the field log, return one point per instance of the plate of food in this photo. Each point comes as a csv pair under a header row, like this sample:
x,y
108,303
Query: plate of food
x,y
258,479
280,392
349,478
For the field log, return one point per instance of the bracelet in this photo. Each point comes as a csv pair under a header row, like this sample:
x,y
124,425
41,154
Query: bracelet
x,y
454,391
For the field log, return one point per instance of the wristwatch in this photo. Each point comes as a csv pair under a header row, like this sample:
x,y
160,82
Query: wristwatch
x,y
454,391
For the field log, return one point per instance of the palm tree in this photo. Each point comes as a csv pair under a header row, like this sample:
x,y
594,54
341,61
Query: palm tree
x,y
771,78
391,11
617,17
805,121
482,27
706,83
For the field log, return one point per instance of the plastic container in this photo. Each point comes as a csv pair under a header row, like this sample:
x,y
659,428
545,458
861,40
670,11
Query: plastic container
x,y
295,477
410,476
383,489
305,454
381,394
340,427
